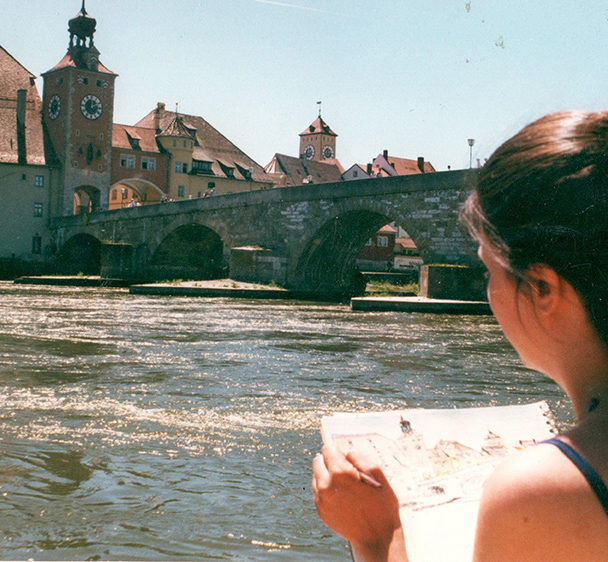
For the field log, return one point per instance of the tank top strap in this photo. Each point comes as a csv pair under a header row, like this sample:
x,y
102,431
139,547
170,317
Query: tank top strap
x,y
593,478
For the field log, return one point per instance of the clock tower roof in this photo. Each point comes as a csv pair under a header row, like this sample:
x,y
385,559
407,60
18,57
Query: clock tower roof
x,y
318,126
82,26
82,53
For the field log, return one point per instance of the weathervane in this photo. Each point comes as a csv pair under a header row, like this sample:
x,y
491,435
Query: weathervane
x,y
319,104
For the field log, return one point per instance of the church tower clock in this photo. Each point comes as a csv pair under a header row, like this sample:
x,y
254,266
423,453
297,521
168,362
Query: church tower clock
x,y
318,141
78,102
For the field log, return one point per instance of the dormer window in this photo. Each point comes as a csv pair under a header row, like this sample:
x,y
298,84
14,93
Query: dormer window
x,y
134,140
228,170
201,167
245,172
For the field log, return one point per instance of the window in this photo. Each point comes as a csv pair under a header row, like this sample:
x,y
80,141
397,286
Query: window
x,y
228,170
355,173
127,161
198,193
123,193
174,142
37,209
210,184
382,241
184,144
114,194
36,244
59,81
148,164
39,181
369,242
23,176
181,168
201,167
180,190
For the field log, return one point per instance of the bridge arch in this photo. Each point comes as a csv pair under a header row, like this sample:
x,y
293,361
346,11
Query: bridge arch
x,y
137,190
190,251
328,259
80,254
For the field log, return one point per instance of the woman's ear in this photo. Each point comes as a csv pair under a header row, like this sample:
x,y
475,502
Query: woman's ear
x,y
547,287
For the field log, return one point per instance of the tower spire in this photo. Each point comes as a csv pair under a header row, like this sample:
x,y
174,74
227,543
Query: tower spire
x,y
80,45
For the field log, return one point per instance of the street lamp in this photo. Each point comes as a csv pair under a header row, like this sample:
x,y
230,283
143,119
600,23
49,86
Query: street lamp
x,y
471,143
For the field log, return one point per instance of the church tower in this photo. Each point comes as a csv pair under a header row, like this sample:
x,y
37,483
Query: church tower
x,y
78,107
318,141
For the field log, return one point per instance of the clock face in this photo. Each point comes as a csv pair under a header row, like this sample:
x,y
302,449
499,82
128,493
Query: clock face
x,y
328,152
91,106
309,152
54,107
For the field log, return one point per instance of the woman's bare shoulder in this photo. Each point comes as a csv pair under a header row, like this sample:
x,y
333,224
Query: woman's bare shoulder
x,y
538,506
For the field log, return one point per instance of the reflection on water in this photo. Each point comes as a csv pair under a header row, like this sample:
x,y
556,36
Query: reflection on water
x,y
148,428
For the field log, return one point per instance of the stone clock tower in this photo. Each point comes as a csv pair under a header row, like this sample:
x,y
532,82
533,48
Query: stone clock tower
x,y
318,141
78,102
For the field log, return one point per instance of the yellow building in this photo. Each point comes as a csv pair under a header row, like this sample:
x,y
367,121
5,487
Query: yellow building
x,y
199,160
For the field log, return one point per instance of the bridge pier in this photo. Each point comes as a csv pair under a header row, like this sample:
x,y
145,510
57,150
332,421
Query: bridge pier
x,y
257,265
117,261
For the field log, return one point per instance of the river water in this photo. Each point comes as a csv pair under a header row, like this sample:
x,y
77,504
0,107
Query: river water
x,y
135,427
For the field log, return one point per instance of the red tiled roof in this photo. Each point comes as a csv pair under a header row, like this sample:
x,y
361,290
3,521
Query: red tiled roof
x,y
388,229
375,170
147,137
407,166
407,243
14,76
68,61
290,170
318,126
210,144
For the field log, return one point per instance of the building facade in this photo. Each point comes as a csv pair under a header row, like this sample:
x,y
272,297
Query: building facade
x,y
25,178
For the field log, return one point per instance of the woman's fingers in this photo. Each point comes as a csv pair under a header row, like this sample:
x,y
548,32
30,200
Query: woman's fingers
x,y
365,465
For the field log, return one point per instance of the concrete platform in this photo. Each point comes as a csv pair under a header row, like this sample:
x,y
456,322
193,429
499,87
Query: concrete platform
x,y
212,288
419,304
71,281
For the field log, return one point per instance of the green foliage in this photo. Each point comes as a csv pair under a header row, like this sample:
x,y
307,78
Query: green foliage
x,y
385,288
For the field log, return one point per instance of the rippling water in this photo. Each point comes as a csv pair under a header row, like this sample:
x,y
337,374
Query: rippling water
x,y
136,427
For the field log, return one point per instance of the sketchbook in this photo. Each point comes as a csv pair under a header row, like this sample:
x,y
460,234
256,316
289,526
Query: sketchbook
x,y
437,462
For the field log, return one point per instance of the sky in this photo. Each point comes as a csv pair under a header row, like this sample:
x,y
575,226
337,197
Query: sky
x,y
417,78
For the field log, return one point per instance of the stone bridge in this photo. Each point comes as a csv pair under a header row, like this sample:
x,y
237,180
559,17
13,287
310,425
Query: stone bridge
x,y
306,238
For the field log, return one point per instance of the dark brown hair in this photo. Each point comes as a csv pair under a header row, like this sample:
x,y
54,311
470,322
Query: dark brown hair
x,y
542,198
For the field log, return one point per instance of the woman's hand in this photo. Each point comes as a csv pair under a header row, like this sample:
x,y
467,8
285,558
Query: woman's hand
x,y
365,514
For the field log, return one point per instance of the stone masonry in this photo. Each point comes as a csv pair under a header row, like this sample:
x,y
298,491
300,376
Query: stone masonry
x,y
311,233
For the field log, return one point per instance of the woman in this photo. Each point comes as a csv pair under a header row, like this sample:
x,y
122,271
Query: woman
x,y
540,216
